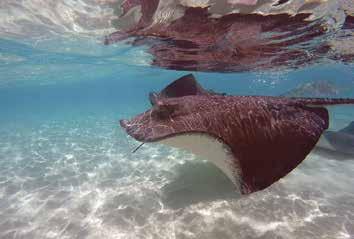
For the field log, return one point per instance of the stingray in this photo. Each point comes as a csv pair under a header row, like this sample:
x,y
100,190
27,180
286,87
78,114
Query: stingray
x,y
253,140
318,88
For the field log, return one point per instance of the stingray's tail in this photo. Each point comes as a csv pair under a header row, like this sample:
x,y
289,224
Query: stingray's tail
x,y
324,101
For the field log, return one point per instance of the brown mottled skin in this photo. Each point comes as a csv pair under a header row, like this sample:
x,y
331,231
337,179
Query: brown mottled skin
x,y
269,136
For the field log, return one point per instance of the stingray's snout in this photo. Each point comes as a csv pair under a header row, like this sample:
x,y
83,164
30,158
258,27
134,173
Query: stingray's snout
x,y
153,98
137,133
123,123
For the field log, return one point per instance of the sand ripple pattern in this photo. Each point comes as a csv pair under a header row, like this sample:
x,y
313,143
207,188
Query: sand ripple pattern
x,y
77,178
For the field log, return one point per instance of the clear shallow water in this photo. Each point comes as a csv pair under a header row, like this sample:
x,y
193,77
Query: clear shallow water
x,y
67,171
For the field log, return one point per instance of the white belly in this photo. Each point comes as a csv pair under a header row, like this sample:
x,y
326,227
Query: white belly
x,y
210,148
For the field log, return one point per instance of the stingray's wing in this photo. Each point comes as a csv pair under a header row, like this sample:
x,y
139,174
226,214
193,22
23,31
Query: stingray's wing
x,y
268,141
274,144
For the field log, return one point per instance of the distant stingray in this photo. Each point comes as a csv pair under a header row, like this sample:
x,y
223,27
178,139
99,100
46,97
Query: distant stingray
x,y
341,141
253,140
318,88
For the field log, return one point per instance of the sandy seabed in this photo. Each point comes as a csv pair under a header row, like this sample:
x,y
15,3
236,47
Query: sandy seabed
x,y
77,178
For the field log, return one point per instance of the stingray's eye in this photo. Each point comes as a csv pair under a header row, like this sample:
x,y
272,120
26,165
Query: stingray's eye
x,y
153,97
163,110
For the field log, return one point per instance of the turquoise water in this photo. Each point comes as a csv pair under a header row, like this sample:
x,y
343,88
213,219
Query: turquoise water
x,y
67,171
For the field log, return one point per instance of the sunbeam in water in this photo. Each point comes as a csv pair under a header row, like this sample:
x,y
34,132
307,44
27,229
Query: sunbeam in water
x,y
67,169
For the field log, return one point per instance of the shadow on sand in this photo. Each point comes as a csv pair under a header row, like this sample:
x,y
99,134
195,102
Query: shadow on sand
x,y
197,181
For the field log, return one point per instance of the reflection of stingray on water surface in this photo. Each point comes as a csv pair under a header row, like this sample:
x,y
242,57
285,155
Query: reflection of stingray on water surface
x,y
233,36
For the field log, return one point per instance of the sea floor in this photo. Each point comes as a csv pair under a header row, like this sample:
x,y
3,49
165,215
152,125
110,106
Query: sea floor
x,y
76,177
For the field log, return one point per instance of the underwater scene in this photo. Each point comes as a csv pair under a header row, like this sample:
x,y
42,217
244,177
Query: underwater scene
x,y
79,158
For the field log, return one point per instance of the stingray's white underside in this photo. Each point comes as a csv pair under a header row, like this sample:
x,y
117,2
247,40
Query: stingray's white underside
x,y
210,148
